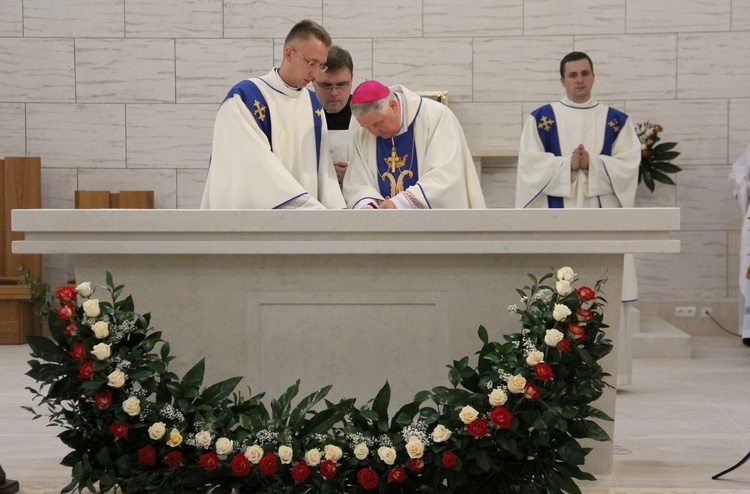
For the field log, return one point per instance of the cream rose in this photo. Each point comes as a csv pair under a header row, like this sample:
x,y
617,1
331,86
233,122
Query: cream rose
x,y
157,431
440,434
563,288
498,397
560,312
132,406
468,414
333,452
254,453
91,307
100,329
224,446
517,384
312,457
285,454
565,274
534,358
415,448
387,454
175,438
85,289
203,439
101,351
116,379
552,337
361,451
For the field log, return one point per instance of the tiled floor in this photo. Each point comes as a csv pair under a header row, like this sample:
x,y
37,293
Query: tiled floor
x,y
677,424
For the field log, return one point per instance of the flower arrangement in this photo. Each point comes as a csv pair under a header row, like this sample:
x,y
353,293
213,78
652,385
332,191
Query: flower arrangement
x,y
509,423
655,158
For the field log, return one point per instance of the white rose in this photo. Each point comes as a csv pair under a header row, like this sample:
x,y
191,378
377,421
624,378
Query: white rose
x,y
565,274
563,288
552,337
387,454
100,329
175,438
101,351
649,132
415,448
312,457
254,453
361,451
285,454
517,384
91,307
85,289
468,414
534,358
333,452
224,446
116,379
498,397
203,439
157,431
132,406
440,434
560,312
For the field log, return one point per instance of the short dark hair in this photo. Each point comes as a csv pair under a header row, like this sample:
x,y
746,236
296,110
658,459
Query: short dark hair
x,y
338,59
572,57
307,28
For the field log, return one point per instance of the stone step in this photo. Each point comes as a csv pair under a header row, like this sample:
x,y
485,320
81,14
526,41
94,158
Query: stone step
x,y
659,339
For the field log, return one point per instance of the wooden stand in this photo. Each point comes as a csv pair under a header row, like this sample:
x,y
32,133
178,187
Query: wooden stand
x,y
125,199
7,486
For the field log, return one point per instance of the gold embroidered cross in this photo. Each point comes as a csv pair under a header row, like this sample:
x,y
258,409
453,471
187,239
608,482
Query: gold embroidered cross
x,y
260,111
545,123
614,124
395,161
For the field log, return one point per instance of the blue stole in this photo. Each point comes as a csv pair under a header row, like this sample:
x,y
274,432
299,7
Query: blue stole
x,y
547,129
254,100
393,178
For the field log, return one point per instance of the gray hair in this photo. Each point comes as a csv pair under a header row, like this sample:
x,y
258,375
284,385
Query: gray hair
x,y
359,110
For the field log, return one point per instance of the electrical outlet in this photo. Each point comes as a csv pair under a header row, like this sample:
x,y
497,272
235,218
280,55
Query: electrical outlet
x,y
707,311
684,311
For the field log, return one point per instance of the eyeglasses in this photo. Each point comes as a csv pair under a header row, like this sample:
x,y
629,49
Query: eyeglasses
x,y
313,65
341,86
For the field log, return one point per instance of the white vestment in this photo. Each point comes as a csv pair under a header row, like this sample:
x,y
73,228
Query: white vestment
x,y
248,172
445,174
740,177
341,142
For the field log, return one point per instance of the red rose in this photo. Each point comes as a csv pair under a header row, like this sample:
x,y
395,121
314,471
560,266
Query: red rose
x,y
501,416
67,311
71,329
563,346
576,331
147,455
396,474
327,469
209,461
103,400
86,370
66,294
416,464
658,128
300,472
449,459
268,464
543,371
78,352
173,459
119,429
477,427
583,315
240,465
531,391
585,293
645,154
368,478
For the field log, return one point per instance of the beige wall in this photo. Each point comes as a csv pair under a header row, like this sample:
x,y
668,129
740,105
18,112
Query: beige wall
x,y
121,94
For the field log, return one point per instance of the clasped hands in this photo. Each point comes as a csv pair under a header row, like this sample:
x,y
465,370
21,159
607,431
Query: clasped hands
x,y
579,158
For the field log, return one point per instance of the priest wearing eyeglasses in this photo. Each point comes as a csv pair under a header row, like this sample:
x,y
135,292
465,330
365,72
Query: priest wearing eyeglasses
x,y
333,89
270,147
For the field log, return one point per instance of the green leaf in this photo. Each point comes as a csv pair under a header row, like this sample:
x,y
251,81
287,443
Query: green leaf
x,y
381,402
280,407
483,335
46,349
298,414
220,391
194,377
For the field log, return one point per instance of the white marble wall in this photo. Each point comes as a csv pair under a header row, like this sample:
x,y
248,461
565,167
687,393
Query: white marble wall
x,y
121,94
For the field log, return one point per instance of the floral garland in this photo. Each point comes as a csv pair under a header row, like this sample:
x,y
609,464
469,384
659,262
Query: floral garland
x,y
510,423
655,158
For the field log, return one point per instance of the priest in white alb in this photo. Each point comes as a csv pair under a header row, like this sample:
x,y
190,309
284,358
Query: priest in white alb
x,y
579,153
270,148
410,153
